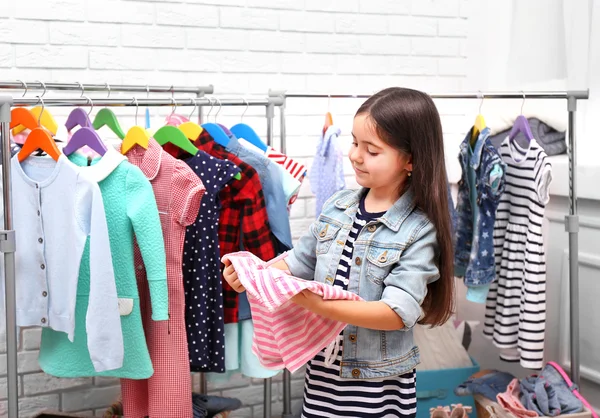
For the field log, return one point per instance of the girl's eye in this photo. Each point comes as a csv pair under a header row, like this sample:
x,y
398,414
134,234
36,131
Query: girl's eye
x,y
355,144
373,153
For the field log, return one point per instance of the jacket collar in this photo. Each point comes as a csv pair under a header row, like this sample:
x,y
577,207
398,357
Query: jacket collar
x,y
394,216
102,167
476,155
148,160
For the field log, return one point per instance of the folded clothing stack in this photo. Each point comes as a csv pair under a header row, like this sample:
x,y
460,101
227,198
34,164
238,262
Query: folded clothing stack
x,y
551,393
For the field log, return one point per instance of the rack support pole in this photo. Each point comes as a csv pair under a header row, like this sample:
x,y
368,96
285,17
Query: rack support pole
x,y
268,384
572,227
7,246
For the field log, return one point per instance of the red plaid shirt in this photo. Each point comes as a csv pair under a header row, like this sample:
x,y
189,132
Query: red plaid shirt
x,y
242,202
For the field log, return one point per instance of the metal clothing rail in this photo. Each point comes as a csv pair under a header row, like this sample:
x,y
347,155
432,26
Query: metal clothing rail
x,y
7,236
571,220
39,85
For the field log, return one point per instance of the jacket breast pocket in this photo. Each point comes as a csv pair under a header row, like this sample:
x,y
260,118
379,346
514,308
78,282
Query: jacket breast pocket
x,y
325,234
381,261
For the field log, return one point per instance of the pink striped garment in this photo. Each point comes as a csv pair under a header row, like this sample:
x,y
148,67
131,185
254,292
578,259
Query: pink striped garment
x,y
285,334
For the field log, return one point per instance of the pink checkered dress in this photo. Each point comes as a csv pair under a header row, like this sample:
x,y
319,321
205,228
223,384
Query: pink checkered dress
x,y
178,191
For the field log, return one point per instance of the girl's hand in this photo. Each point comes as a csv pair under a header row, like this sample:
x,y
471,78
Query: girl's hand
x,y
308,300
231,277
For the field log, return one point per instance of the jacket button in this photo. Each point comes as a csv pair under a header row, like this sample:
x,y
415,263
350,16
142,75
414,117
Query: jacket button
x,y
371,228
353,338
44,321
355,373
329,279
340,242
358,261
43,266
40,240
44,293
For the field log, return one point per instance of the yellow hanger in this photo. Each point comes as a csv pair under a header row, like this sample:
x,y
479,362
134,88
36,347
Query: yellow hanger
x,y
136,135
478,126
46,120
191,129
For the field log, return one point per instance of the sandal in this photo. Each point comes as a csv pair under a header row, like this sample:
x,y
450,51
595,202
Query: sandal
x,y
460,411
440,412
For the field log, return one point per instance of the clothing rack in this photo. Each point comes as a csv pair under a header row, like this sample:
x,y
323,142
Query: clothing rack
x,y
571,220
7,236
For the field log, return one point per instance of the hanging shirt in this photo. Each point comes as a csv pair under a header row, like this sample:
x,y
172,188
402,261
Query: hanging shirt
x,y
56,210
327,171
516,304
270,181
178,193
204,315
291,186
130,209
243,202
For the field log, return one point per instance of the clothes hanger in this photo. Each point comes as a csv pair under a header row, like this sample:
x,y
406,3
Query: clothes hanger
x,y
191,129
328,117
24,117
106,117
38,139
242,130
215,131
479,124
78,117
85,136
521,125
41,114
172,134
136,135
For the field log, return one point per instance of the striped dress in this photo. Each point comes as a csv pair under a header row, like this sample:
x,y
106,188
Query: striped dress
x,y
515,317
326,394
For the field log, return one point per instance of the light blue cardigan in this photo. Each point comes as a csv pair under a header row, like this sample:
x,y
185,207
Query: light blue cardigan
x,y
55,210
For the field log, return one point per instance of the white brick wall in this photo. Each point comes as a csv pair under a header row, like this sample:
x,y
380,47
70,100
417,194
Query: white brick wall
x,y
243,47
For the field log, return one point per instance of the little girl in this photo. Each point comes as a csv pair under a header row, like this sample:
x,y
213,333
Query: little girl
x,y
389,242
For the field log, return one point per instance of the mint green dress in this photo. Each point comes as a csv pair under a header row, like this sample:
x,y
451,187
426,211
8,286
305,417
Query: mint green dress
x,y
130,208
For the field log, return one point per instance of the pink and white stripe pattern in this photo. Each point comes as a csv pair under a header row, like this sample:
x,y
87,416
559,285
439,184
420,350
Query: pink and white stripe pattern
x,y
285,334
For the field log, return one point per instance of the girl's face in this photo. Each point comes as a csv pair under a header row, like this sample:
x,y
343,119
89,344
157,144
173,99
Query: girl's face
x,y
376,164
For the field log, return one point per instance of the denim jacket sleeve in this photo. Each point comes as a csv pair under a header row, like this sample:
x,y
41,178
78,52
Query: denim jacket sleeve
x,y
302,259
406,285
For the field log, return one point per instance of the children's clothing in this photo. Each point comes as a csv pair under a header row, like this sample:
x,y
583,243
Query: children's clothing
x,y
393,261
516,305
326,392
285,334
178,192
327,171
56,210
130,209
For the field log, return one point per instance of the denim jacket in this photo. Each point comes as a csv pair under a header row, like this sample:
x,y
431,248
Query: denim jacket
x,y
394,260
476,210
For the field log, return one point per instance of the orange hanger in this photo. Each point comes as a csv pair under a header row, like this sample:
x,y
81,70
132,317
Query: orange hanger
x,y
22,116
37,139
328,117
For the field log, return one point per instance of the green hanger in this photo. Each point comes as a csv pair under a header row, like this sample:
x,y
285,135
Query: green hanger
x,y
173,135
107,117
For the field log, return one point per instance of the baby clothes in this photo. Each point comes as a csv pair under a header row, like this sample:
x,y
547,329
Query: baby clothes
x,y
286,335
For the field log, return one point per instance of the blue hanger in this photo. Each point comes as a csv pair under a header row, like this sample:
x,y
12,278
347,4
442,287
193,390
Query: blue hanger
x,y
217,133
241,130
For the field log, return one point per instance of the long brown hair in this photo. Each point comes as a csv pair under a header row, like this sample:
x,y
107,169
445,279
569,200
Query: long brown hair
x,y
409,121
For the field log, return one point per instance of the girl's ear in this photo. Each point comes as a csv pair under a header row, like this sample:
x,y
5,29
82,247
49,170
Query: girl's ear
x,y
409,164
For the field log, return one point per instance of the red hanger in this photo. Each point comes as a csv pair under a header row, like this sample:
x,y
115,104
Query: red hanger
x,y
39,138
23,116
